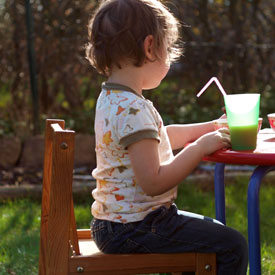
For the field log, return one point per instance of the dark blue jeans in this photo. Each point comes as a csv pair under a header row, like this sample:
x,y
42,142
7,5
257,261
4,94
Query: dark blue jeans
x,y
167,230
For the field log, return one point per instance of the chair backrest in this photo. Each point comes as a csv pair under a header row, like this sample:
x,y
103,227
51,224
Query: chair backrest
x,y
57,213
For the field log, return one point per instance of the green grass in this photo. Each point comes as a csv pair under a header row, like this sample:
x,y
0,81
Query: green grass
x,y
20,222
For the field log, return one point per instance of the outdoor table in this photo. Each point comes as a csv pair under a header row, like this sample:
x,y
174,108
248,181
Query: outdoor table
x,y
263,157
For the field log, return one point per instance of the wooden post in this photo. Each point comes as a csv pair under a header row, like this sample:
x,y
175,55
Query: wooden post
x,y
60,203
45,205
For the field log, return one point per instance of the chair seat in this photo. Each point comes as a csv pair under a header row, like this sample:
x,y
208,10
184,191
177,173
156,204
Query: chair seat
x,y
92,261
88,247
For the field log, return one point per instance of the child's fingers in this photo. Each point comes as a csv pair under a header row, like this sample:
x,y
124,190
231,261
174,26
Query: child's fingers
x,y
226,139
224,130
224,136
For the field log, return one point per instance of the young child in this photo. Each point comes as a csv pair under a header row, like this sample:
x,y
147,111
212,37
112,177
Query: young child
x,y
133,42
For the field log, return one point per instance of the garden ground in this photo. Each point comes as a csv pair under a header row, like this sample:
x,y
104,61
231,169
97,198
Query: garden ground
x,y
20,220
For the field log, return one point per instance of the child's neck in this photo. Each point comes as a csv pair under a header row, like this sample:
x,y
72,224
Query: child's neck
x,y
129,76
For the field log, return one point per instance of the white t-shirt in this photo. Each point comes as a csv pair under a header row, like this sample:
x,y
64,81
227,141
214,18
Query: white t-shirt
x,y
124,117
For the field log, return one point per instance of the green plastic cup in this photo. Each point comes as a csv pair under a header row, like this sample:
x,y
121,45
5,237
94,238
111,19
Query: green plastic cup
x,y
242,112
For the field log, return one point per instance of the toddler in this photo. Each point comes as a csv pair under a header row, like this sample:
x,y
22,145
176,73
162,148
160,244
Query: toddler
x,y
133,43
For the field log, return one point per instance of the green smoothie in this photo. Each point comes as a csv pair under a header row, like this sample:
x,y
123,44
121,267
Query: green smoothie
x,y
243,137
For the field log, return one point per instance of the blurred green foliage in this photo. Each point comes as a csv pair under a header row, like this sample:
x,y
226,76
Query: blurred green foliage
x,y
232,40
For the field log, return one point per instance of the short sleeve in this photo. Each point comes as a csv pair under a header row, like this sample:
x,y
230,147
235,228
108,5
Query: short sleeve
x,y
136,121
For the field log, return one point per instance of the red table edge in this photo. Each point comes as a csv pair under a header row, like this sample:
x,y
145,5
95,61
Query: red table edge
x,y
241,157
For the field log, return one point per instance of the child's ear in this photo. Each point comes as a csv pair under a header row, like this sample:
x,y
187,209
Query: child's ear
x,y
149,47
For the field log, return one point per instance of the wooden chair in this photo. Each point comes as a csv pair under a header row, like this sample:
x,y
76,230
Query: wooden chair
x,y
66,250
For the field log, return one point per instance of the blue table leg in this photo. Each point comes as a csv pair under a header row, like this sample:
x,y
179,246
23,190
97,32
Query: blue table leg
x,y
253,218
219,192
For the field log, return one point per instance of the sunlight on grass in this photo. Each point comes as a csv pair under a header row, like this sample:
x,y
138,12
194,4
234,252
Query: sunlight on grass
x,y
20,222
192,198
19,243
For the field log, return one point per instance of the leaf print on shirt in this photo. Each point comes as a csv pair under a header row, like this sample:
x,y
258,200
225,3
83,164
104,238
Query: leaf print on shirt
x,y
116,91
104,155
118,99
106,121
121,169
133,102
102,183
119,154
128,129
111,172
119,110
115,189
119,197
107,138
133,111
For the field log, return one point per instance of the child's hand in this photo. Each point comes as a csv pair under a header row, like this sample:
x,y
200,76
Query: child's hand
x,y
214,141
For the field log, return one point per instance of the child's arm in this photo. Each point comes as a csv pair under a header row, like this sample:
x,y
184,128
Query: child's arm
x,y
155,178
180,134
